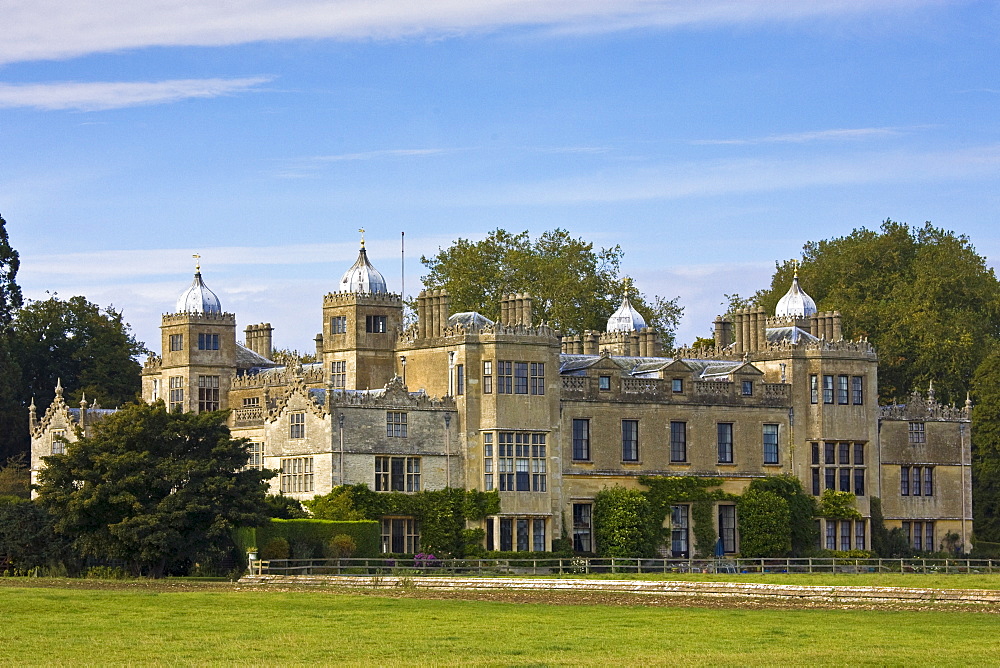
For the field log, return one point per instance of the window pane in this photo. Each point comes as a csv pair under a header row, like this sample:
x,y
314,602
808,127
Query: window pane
x,y
725,442
770,444
678,441
630,440
581,439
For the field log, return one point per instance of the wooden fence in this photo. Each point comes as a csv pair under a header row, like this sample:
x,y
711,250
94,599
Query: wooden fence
x,y
584,565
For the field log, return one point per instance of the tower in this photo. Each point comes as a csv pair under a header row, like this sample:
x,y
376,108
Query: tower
x,y
198,361
360,324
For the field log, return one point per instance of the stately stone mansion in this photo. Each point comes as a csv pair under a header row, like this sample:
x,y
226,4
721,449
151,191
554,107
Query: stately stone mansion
x,y
458,400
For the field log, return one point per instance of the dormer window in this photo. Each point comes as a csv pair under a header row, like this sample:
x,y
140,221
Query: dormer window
x,y
677,385
747,388
604,383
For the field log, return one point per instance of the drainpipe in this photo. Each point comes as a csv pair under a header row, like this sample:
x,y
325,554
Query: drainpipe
x,y
447,448
340,425
451,373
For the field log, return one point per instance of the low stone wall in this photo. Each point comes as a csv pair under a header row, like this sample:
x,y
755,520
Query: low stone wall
x,y
747,590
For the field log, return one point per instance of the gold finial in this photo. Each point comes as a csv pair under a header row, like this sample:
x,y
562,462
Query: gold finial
x,y
362,231
795,269
197,262
627,285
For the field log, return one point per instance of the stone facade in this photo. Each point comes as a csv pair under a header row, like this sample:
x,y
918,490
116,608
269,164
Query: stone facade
x,y
549,421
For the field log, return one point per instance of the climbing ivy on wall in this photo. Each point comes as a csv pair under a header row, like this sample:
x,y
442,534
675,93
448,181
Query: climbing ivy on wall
x,y
442,513
835,505
667,491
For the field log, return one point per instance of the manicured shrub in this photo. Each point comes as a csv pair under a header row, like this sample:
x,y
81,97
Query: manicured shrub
x,y
276,548
764,524
341,546
309,538
625,524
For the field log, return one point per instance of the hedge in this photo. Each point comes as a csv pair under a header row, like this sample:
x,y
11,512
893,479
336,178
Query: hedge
x,y
308,538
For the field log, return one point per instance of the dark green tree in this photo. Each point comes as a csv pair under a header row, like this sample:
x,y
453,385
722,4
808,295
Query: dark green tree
x,y
986,449
13,413
921,295
284,508
91,349
574,286
27,538
626,524
15,478
154,488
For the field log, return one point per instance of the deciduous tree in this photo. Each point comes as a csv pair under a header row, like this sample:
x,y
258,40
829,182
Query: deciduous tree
x,y
921,295
986,449
91,349
153,488
575,286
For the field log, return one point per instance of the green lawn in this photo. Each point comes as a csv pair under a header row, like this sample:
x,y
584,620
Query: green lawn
x,y
63,626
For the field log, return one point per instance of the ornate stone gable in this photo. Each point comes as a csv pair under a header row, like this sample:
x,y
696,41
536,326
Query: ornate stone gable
x,y
921,408
296,388
57,412
394,395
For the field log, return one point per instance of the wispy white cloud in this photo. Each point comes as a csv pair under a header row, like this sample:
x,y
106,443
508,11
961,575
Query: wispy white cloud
x,y
55,29
100,95
723,177
311,166
803,137
113,265
375,155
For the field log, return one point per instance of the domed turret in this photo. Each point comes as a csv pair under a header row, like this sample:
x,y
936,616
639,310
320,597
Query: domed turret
x,y
198,298
362,276
626,319
796,303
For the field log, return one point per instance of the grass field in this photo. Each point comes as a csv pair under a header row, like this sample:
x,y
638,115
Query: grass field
x,y
221,625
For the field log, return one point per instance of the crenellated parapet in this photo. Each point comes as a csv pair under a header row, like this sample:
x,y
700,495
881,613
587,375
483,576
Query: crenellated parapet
x,y
373,298
499,329
153,363
859,347
190,317
310,375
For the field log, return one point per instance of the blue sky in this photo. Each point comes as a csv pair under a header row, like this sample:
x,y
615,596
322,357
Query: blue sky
x,y
708,138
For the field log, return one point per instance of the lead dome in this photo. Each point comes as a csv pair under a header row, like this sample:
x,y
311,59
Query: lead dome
x,y
626,319
796,303
362,276
198,298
